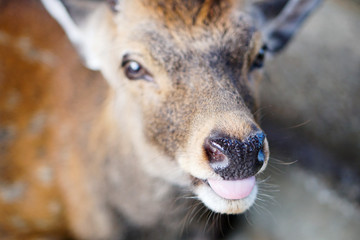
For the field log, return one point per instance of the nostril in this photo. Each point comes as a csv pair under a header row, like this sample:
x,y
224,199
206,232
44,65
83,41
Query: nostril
x,y
261,137
261,156
257,141
215,154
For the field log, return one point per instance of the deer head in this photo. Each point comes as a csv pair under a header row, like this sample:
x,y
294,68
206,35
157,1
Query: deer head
x,y
184,79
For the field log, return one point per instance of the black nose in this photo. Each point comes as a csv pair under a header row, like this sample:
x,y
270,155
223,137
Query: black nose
x,y
234,159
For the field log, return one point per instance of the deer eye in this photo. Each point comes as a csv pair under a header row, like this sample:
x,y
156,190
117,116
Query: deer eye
x,y
259,59
134,71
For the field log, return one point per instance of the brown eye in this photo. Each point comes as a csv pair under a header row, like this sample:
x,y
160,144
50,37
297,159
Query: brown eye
x,y
134,71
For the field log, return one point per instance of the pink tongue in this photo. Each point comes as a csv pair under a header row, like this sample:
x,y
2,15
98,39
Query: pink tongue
x,y
233,189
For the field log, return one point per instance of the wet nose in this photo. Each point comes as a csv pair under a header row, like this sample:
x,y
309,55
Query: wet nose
x,y
235,159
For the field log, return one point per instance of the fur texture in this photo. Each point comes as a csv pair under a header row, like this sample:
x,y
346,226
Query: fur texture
x,y
118,156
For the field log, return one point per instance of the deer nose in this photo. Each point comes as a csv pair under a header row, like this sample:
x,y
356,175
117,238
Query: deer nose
x,y
235,159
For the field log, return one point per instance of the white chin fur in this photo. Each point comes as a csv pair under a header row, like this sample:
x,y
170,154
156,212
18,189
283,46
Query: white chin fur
x,y
222,205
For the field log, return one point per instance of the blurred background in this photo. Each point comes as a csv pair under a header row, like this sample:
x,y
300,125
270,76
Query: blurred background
x,y
310,112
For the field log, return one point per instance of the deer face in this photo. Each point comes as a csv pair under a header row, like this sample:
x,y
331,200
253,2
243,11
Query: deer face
x,y
184,77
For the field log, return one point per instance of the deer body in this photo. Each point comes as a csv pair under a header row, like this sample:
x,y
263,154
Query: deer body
x,y
91,158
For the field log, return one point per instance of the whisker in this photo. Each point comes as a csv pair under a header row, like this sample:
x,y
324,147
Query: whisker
x,y
229,222
217,223
209,215
260,110
204,212
197,212
300,124
282,162
266,211
264,180
275,170
267,199
247,216
190,214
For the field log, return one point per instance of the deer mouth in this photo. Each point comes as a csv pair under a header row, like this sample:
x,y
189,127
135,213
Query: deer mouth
x,y
227,197
233,190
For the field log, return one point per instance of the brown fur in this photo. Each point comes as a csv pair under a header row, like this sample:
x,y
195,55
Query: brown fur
x,y
37,77
84,159
191,12
167,127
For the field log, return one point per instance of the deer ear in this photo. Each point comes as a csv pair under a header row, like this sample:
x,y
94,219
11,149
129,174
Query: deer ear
x,y
279,20
73,16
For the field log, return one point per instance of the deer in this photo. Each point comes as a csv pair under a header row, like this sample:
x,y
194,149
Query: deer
x,y
173,121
